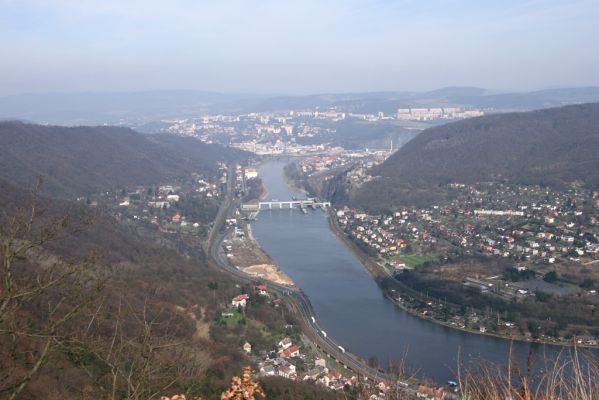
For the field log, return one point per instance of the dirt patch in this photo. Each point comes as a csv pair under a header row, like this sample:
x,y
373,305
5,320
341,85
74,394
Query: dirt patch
x,y
269,272
246,254
202,328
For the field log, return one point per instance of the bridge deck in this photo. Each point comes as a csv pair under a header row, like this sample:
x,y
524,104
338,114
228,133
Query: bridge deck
x,y
285,204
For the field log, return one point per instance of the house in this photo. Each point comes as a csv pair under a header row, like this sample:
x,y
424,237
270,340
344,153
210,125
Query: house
x,y
159,204
166,189
261,290
423,392
291,352
277,302
247,347
334,376
285,343
315,373
430,393
324,380
240,301
287,371
399,265
320,362
176,218
251,173
268,370
384,386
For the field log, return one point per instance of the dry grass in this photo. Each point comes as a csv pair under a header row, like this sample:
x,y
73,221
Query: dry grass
x,y
570,376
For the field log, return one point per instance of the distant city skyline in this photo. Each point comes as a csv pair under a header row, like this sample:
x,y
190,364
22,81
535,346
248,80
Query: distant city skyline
x,y
296,47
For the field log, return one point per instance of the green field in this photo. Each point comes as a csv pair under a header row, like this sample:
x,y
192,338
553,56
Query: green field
x,y
416,261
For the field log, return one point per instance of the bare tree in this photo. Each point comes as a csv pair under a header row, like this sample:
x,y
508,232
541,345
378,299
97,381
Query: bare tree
x,y
142,357
39,293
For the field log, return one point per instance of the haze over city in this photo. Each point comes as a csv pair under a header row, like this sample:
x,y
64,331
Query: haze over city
x,y
296,47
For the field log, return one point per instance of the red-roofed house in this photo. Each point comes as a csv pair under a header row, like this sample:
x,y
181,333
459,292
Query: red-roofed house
x,y
240,301
384,386
291,352
176,218
261,290
430,393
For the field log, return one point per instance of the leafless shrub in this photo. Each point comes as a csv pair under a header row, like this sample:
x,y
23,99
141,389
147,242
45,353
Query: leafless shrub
x,y
569,376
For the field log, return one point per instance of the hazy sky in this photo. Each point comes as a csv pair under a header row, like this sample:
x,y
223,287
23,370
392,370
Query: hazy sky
x,y
306,46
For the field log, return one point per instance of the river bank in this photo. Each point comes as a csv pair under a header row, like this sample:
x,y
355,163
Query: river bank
x,y
377,272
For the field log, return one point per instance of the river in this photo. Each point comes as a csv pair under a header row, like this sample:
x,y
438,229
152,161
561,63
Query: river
x,y
351,307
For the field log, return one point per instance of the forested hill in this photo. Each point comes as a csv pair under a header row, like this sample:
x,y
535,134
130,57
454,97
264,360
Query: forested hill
x,y
138,298
81,160
552,147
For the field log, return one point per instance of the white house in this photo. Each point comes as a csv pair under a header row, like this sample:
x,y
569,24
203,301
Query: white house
x,y
247,347
240,301
285,343
286,371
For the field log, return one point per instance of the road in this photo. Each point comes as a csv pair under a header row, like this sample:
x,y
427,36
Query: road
x,y
295,299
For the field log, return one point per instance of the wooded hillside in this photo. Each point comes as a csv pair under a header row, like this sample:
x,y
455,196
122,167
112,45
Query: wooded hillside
x,y
76,161
552,147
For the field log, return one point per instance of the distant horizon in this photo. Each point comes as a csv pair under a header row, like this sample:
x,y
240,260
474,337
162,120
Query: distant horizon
x,y
298,94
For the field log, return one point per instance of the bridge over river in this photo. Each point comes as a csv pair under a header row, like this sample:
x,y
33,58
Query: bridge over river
x,y
274,204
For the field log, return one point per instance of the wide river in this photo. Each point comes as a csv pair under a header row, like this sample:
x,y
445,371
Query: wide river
x,y
351,307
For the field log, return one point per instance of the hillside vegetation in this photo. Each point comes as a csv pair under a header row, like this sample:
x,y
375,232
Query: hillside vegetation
x,y
553,147
92,306
81,160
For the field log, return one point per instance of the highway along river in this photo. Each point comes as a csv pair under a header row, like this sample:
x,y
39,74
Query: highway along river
x,y
351,307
